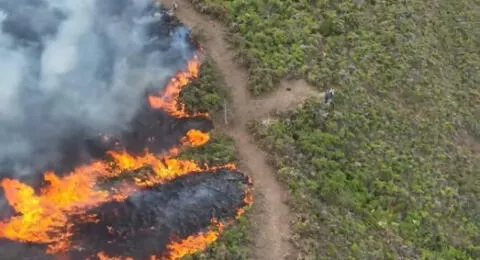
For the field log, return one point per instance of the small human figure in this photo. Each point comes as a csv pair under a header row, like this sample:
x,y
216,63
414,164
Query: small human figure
x,y
329,94
171,11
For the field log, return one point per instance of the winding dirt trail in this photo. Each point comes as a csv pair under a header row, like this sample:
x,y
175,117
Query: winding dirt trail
x,y
270,217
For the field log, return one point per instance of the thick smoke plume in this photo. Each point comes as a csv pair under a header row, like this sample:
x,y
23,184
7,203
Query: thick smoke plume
x,y
71,69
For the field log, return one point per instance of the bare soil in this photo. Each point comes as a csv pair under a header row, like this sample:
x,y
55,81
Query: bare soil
x,y
271,216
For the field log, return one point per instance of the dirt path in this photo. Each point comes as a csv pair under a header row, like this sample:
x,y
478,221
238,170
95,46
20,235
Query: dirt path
x,y
271,216
287,96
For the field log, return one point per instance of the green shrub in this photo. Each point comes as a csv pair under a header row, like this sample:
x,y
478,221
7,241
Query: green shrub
x,y
393,171
207,92
219,150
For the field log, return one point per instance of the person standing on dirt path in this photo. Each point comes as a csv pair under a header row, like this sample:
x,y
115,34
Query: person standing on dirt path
x,y
329,94
171,11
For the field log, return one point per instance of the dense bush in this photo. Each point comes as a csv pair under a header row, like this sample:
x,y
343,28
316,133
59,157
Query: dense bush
x,y
219,150
371,183
394,170
206,93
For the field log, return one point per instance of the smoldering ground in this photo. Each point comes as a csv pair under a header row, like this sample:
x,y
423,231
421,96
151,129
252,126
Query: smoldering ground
x,y
71,69
147,221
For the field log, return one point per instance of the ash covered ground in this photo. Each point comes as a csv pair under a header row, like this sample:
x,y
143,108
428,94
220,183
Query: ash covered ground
x,y
148,220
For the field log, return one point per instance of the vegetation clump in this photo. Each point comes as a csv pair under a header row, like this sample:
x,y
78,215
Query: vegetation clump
x,y
393,171
208,92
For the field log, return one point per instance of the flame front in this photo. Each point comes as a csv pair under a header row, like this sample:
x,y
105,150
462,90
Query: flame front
x,y
168,99
196,138
43,218
44,214
194,243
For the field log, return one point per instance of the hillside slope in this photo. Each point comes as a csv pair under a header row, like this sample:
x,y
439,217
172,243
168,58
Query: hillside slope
x,y
393,171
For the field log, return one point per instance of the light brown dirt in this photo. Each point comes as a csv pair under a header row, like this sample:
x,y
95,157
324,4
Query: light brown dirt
x,y
271,216
289,95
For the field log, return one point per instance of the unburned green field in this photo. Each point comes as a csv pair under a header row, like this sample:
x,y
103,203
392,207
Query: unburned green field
x,y
393,170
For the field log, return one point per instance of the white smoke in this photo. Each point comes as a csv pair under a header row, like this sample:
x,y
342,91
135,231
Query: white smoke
x,y
76,65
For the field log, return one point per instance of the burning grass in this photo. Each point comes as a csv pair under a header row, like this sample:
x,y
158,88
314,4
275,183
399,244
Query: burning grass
x,y
166,221
87,198
165,218
130,205
45,218
168,100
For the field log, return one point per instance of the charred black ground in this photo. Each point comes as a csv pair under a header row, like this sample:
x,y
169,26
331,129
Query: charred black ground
x,y
145,223
152,129
149,220
17,250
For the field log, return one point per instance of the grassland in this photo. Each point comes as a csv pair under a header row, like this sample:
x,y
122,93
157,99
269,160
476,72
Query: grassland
x,y
207,92
393,170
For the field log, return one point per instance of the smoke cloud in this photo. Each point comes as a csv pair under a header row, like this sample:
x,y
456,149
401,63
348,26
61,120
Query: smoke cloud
x,y
72,68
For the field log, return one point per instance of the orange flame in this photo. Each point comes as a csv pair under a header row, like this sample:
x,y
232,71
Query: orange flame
x,y
196,138
168,100
43,218
41,215
165,169
195,243
103,256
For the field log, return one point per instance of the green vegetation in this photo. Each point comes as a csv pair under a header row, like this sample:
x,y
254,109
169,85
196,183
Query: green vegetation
x,y
218,151
234,241
393,171
233,244
207,92
372,184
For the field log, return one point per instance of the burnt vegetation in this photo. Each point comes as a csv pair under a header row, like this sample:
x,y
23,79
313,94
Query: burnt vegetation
x,y
393,171
150,219
146,222
234,242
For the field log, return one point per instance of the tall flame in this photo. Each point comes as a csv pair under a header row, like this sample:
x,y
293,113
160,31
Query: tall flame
x,y
196,138
168,99
195,243
43,218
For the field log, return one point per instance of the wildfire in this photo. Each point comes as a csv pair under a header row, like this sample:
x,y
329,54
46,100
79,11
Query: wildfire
x,y
194,243
165,169
44,214
196,138
103,256
168,99
43,217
